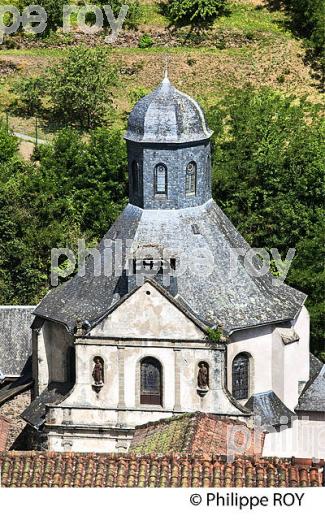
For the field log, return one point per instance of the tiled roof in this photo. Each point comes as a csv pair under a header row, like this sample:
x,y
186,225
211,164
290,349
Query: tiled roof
x,y
38,469
4,430
198,433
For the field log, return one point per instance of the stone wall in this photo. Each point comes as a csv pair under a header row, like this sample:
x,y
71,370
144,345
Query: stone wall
x,y
11,411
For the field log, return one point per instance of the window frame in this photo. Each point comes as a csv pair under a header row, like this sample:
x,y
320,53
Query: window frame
x,y
158,192
191,180
148,398
241,391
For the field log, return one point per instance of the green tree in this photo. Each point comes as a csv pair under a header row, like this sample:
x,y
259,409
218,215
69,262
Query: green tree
x,y
268,177
80,87
194,12
54,10
308,19
134,13
76,190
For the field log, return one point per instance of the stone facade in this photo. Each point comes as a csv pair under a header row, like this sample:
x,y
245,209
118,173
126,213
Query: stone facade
x,y
145,325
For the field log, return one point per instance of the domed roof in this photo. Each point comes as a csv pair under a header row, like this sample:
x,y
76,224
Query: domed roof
x,y
167,116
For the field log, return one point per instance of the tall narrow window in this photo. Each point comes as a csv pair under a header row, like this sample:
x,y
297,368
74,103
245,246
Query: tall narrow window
x,y
161,179
151,382
240,376
72,365
190,183
135,177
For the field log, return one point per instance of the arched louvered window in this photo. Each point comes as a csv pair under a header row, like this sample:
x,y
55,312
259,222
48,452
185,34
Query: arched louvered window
x,y
190,183
151,381
161,179
135,177
240,376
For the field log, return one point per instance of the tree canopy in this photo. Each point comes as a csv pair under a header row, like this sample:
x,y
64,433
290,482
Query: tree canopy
x,y
269,179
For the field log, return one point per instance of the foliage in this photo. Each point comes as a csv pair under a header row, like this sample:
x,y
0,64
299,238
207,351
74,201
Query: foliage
x,y
214,335
80,87
194,12
134,13
268,178
75,191
54,10
145,42
29,93
8,144
308,19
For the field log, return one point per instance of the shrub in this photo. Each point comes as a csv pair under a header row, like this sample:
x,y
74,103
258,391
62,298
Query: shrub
x,y
145,42
194,12
29,93
8,144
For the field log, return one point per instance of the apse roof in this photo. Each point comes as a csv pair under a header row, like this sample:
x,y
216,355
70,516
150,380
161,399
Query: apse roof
x,y
214,295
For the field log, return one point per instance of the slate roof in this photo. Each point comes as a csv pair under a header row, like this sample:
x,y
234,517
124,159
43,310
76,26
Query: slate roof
x,y
18,386
79,470
315,366
233,298
35,413
167,115
269,409
15,339
312,398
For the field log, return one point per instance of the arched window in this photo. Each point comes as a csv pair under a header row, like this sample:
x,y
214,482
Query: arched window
x,y
240,376
190,183
135,177
161,179
151,381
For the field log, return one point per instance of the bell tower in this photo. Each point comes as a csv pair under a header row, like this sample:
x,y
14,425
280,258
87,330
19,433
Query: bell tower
x,y
169,151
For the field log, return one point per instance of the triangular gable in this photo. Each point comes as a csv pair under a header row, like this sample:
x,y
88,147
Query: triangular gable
x,y
149,312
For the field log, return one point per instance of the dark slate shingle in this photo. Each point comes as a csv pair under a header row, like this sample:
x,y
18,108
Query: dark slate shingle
x,y
237,300
269,409
312,398
15,338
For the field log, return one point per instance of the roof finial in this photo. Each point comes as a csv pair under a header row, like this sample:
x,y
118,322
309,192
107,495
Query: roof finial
x,y
166,66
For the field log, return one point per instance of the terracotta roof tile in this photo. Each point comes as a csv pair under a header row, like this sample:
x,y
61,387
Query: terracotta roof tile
x,y
197,433
40,469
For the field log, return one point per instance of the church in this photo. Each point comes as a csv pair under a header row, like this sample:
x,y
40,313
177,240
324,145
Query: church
x,y
170,328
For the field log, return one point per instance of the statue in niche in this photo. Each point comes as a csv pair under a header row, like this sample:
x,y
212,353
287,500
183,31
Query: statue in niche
x,y
203,376
98,372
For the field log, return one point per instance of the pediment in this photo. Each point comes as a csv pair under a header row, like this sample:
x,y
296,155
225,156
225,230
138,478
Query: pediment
x,y
148,313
